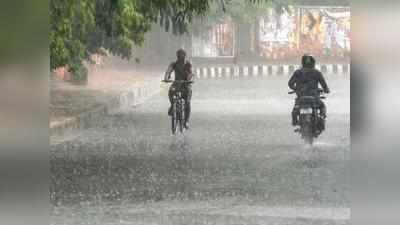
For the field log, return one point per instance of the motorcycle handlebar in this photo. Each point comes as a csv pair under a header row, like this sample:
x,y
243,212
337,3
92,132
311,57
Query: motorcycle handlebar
x,y
292,92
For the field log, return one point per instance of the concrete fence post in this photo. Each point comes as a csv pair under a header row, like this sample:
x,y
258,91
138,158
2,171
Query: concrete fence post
x,y
286,70
264,71
212,72
236,72
340,69
219,71
245,71
329,69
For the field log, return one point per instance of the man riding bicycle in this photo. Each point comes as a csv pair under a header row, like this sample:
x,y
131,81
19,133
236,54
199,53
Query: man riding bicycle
x,y
305,82
183,72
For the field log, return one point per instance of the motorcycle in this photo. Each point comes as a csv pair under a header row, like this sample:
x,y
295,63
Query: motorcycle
x,y
309,118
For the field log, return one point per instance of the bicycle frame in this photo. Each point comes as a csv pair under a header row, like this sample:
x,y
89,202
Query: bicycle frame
x,y
178,105
178,114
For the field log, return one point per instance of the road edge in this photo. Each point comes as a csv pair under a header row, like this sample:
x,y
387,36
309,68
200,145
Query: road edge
x,y
132,97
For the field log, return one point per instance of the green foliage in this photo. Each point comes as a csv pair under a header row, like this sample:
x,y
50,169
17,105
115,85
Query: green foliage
x,y
70,23
80,28
247,11
175,15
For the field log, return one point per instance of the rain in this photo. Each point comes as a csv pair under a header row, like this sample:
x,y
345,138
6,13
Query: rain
x,y
240,162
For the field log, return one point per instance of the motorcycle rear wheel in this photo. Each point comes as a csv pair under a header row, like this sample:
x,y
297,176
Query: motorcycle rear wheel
x,y
307,134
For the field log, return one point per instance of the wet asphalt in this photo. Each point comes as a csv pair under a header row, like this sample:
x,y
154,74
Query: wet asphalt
x,y
240,163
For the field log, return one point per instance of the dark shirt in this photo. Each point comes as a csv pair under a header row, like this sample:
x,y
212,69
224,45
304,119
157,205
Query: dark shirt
x,y
183,70
305,82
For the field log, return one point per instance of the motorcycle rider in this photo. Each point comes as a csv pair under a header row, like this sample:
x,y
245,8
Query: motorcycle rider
x,y
305,82
183,72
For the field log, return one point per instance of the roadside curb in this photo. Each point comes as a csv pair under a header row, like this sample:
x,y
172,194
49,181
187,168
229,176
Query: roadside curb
x,y
129,98
136,96
248,71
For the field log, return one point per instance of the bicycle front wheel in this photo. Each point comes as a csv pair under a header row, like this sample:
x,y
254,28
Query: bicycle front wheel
x,y
180,117
174,119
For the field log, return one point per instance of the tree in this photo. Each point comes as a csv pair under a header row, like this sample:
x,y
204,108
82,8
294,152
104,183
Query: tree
x,y
80,28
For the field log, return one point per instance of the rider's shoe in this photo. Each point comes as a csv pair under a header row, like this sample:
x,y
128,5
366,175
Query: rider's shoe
x,y
186,125
295,121
322,125
170,111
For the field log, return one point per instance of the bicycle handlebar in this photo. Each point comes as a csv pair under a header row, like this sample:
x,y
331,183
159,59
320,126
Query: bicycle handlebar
x,y
178,81
319,90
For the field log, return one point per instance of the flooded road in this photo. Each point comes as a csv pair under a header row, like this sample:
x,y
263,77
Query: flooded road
x,y
241,162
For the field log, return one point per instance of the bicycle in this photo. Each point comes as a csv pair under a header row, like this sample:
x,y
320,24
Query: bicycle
x,y
178,106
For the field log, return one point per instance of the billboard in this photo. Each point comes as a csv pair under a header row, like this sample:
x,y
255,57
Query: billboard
x,y
325,31
321,31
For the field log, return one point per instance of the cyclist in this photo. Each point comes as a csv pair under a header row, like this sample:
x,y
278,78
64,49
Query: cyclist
x,y
183,72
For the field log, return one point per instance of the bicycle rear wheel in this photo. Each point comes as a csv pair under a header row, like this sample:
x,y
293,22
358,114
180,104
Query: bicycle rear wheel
x,y
181,122
180,117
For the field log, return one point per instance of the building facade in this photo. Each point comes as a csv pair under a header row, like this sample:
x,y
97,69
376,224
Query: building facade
x,y
323,31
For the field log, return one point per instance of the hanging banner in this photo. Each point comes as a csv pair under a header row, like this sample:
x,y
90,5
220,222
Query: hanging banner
x,y
218,41
276,33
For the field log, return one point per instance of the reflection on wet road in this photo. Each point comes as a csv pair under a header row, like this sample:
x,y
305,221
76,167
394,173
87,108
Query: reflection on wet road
x,y
240,163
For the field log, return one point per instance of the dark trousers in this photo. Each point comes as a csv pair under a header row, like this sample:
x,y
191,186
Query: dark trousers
x,y
186,94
